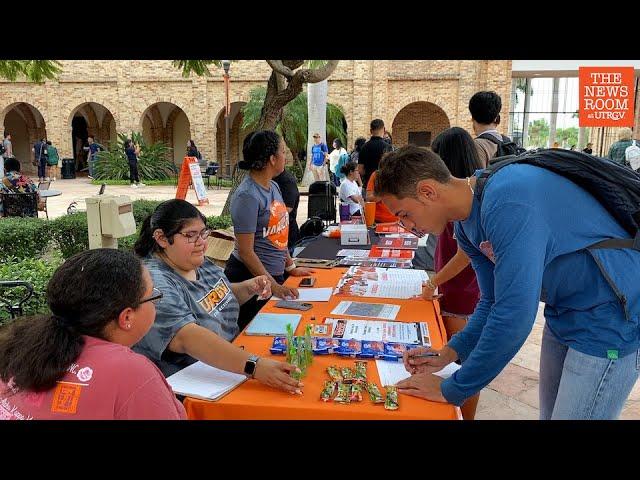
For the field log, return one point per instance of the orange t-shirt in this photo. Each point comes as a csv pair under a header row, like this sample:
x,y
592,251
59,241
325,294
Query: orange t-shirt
x,y
383,214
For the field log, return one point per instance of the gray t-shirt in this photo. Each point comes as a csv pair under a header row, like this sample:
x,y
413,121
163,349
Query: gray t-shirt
x,y
261,211
208,302
7,148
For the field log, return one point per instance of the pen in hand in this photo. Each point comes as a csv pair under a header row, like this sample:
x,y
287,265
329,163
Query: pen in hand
x,y
427,354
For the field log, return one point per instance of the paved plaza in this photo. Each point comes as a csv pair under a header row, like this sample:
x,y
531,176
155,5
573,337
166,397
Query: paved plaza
x,y
513,395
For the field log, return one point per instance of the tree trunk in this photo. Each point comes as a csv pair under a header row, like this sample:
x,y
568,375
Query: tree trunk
x,y
317,106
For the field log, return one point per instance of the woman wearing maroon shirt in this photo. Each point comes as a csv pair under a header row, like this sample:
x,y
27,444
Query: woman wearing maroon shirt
x,y
455,279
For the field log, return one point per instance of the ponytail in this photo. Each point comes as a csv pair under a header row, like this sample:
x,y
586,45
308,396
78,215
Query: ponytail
x,y
145,243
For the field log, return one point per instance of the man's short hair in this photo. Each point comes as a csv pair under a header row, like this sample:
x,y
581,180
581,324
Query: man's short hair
x,y
376,124
400,171
625,134
11,165
485,107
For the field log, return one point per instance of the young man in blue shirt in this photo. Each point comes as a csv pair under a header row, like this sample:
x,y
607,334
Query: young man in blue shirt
x,y
527,239
319,158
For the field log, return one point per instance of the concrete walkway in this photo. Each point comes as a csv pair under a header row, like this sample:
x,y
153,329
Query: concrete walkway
x,y
513,395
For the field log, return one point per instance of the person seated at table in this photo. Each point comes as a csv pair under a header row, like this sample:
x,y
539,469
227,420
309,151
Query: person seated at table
x,y
350,192
261,221
198,314
14,182
75,363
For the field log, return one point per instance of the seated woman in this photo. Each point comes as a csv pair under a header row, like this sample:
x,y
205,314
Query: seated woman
x,y
15,182
261,221
350,192
198,314
75,363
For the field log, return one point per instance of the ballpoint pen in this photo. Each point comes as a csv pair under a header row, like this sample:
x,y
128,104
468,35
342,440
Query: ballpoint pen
x,y
427,354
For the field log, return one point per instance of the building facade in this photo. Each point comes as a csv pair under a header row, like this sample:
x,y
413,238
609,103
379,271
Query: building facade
x,y
416,100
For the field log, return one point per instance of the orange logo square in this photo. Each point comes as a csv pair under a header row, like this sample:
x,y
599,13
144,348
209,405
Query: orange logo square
x,y
606,96
65,398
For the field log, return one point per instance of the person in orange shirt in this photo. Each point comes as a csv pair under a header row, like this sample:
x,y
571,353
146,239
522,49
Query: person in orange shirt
x,y
383,214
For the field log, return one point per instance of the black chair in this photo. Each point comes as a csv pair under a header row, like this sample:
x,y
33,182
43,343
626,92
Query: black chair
x,y
20,204
13,303
222,176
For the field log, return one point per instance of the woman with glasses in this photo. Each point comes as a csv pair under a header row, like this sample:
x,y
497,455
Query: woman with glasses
x,y
75,363
198,314
261,221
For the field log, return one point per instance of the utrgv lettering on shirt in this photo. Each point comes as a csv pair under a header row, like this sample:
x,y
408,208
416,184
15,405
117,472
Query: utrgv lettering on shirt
x,y
218,297
277,232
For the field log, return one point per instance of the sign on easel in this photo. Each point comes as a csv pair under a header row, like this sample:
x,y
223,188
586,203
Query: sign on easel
x,y
190,175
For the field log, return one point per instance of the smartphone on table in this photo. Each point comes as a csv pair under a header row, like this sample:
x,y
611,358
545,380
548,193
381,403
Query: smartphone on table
x,y
291,305
307,282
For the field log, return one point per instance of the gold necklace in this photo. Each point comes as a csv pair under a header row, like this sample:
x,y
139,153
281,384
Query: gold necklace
x,y
470,187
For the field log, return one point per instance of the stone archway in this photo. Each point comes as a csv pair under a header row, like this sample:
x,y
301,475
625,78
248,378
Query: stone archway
x,y
90,119
236,137
26,125
166,122
418,123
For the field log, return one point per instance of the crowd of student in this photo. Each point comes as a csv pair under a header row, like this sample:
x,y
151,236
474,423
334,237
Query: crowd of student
x,y
121,322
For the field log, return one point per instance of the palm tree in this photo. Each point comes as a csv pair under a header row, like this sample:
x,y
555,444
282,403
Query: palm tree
x,y
34,70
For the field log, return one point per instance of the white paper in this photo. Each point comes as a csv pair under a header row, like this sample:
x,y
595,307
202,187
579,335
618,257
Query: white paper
x,y
381,282
422,242
345,252
311,295
368,310
204,381
416,333
393,372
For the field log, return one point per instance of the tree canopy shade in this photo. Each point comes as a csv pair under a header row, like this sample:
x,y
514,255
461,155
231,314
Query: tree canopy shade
x,y
34,70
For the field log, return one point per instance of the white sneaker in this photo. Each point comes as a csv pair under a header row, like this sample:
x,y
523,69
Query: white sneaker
x,y
133,185
141,184
54,179
46,179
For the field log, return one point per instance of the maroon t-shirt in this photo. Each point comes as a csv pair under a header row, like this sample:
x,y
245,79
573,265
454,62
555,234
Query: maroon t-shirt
x,y
461,293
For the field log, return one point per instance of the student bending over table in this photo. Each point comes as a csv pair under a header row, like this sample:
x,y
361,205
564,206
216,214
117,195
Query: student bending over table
x,y
198,314
75,363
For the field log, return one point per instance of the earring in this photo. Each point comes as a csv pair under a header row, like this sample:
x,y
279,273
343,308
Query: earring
x,y
128,326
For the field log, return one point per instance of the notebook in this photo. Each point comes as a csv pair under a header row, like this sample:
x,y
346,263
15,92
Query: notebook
x,y
203,381
272,324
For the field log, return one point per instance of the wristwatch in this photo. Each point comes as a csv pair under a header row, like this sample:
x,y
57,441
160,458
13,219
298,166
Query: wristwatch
x,y
250,365
429,283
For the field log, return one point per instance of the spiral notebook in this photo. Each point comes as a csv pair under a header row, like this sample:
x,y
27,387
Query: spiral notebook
x,y
273,324
203,381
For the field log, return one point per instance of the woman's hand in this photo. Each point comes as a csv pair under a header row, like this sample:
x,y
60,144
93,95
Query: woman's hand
x,y
277,375
428,292
301,272
285,293
416,364
260,286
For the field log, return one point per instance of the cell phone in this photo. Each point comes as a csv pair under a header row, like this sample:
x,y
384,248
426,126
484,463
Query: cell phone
x,y
307,282
293,305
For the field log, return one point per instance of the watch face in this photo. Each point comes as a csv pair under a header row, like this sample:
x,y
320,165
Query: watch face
x,y
250,367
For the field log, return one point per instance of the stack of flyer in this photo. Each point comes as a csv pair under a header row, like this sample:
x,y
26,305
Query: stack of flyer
x,y
374,282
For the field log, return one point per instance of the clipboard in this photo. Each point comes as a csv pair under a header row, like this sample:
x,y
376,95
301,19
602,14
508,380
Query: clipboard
x,y
272,324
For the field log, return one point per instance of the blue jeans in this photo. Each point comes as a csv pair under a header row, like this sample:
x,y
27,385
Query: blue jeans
x,y
577,386
92,164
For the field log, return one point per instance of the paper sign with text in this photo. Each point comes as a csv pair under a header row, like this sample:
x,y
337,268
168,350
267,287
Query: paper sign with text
x,y
606,96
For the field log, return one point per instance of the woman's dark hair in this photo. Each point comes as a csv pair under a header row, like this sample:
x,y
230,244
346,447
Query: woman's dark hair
x,y
127,143
458,151
359,143
192,144
11,165
170,217
48,142
258,148
347,168
338,143
85,294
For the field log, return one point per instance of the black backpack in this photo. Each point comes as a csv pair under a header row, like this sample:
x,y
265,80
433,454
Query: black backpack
x,y
2,149
505,147
616,187
312,227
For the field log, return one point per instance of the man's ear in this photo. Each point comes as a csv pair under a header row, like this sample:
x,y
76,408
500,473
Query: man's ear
x,y
426,189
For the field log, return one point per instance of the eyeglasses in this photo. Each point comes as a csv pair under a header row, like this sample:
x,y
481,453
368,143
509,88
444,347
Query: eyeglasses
x,y
410,230
192,237
155,296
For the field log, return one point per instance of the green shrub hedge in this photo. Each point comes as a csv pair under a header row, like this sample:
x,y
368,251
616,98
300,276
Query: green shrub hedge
x,y
23,237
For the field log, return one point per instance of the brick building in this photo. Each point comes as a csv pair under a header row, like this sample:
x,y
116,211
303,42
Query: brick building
x,y
416,100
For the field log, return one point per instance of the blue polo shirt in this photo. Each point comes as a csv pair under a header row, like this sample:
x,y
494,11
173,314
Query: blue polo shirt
x,y
529,239
317,154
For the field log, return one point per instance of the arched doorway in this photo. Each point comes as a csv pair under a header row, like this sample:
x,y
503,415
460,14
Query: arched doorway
x,y
90,119
25,124
167,123
236,137
418,123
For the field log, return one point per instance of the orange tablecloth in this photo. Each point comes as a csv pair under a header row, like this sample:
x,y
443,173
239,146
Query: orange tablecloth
x,y
254,401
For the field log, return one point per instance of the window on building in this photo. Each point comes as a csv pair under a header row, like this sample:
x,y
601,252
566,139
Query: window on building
x,y
420,139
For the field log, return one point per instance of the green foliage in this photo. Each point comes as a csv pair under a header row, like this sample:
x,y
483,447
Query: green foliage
x,y
567,136
23,237
35,271
296,171
70,233
143,208
153,160
221,222
538,133
35,70
199,67
295,117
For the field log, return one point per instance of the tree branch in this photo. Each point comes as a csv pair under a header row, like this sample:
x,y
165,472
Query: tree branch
x,y
319,74
279,67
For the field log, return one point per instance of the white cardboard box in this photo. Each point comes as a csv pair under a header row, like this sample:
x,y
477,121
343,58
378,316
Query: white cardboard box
x,y
354,234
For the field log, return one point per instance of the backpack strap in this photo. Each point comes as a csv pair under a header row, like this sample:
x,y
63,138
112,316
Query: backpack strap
x,y
491,138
